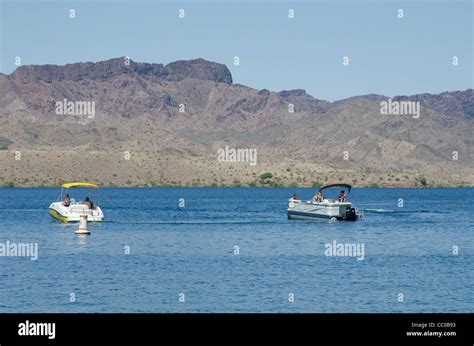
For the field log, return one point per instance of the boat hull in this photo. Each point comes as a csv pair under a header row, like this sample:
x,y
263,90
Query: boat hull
x,y
72,214
325,211
299,215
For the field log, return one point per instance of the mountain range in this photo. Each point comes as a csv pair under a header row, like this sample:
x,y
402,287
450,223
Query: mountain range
x,y
171,120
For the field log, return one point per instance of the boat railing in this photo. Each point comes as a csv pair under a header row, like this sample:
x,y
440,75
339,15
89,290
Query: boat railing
x,y
326,202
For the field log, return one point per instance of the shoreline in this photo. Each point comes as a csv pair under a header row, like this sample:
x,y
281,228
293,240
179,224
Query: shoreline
x,y
244,187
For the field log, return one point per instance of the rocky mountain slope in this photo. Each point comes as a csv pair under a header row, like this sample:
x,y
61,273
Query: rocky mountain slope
x,y
188,110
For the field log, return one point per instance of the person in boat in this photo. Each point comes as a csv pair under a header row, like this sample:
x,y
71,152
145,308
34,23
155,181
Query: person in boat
x,y
342,196
88,202
67,200
320,197
316,198
292,200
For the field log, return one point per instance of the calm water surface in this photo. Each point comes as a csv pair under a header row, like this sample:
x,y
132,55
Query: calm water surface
x,y
190,250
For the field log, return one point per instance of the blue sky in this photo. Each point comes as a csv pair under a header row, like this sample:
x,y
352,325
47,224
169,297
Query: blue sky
x,y
388,55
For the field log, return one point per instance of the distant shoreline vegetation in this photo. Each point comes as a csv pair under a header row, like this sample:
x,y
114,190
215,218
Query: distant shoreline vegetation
x,y
266,179
250,185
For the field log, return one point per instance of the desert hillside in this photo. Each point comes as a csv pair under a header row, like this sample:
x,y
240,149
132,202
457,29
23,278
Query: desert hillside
x,y
155,125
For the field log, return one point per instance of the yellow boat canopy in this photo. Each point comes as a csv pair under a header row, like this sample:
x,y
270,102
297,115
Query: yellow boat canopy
x,y
69,185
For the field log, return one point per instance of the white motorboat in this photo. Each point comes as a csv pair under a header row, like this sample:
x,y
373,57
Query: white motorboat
x,y
68,210
324,209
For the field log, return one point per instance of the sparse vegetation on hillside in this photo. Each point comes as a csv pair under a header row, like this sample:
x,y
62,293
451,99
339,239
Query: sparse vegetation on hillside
x,y
423,181
266,175
40,168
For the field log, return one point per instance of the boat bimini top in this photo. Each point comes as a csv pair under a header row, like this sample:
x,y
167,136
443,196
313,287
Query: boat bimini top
x,y
345,186
69,185
79,184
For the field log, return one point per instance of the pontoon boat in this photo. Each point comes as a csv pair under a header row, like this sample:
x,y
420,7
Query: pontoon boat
x,y
325,209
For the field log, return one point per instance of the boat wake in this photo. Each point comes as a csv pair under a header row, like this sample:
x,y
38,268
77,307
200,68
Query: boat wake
x,y
398,211
379,210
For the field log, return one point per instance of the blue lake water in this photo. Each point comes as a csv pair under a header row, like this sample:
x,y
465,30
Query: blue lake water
x,y
191,250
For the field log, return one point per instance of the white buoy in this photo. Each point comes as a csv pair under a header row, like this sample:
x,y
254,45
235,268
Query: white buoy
x,y
82,225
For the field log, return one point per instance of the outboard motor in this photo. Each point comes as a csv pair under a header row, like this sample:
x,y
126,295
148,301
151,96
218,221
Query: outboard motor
x,y
351,214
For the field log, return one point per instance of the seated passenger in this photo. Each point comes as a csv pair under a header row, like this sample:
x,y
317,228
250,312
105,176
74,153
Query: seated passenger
x,y
67,200
342,196
294,197
88,202
320,197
